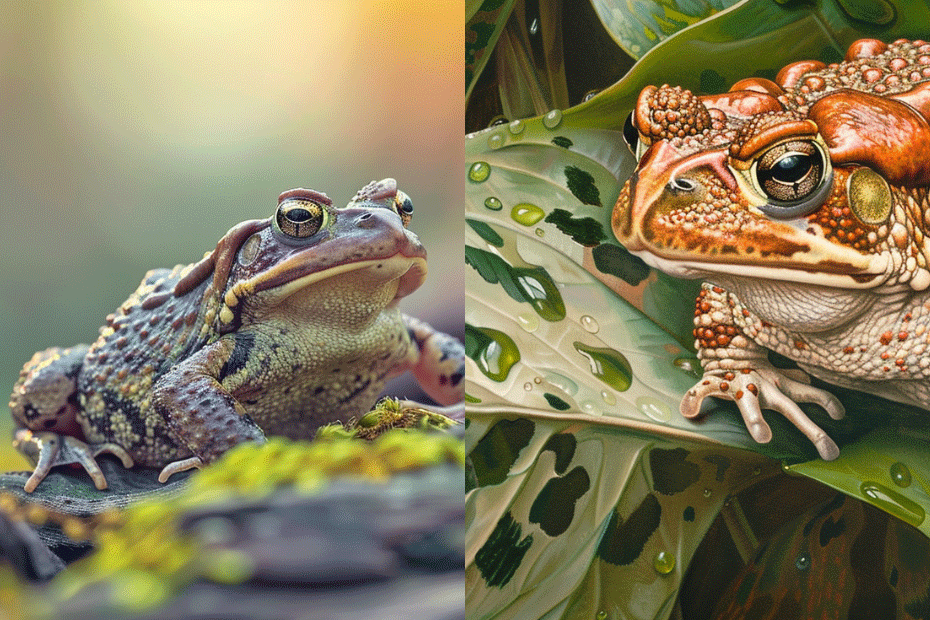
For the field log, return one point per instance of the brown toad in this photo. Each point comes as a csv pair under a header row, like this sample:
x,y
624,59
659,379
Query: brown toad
x,y
803,205
289,323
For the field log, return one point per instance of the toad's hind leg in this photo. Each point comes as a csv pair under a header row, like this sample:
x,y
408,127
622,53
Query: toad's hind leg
x,y
44,404
47,450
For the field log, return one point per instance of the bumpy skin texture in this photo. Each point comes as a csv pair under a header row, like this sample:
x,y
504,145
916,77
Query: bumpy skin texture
x,y
288,324
803,204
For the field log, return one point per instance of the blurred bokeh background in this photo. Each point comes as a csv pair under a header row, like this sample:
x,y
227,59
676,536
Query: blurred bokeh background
x,y
134,134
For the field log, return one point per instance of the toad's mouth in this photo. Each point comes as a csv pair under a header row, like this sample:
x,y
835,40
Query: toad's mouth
x,y
409,272
821,274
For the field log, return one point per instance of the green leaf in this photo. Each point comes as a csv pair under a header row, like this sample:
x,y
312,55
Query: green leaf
x,y
639,25
485,22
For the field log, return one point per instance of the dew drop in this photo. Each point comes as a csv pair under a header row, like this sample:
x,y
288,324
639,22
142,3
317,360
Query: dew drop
x,y
706,492
495,141
590,95
562,383
802,562
654,408
901,475
534,26
663,562
517,127
537,380
608,365
495,352
589,324
540,232
552,119
528,386
608,397
529,322
601,615
538,289
893,503
589,407
493,204
479,172
690,365
526,213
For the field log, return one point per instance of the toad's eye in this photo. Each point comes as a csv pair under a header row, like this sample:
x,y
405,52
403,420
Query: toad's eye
x,y
300,218
794,177
630,133
404,207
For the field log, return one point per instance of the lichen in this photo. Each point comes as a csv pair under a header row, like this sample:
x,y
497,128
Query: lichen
x,y
142,559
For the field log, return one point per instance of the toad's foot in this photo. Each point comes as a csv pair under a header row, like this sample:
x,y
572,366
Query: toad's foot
x,y
767,388
176,467
47,450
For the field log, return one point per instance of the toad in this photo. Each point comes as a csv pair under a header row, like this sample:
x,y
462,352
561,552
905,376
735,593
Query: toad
x,y
803,205
290,323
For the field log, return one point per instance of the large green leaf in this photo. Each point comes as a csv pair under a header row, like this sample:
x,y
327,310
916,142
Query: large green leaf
x,y
589,522
616,363
639,25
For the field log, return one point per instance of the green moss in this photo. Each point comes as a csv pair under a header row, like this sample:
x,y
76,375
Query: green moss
x,y
142,559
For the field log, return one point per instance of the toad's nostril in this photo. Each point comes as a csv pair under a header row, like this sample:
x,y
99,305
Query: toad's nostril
x,y
681,186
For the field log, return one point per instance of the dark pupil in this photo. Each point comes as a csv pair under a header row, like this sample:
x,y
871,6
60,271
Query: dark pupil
x,y
407,207
792,168
298,215
630,133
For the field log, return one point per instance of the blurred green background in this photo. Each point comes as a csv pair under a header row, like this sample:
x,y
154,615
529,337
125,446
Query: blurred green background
x,y
135,134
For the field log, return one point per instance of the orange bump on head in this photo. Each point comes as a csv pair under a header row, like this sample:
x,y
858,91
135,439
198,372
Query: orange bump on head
x,y
856,128
790,74
865,48
742,103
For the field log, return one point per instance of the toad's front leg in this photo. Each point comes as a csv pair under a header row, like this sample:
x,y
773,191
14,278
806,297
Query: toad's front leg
x,y
200,413
440,364
736,368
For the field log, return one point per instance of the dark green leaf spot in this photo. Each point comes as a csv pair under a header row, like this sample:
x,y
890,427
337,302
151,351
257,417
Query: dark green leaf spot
x,y
671,471
722,463
562,141
581,184
486,232
555,402
563,445
617,261
554,507
498,450
584,230
831,529
623,541
501,554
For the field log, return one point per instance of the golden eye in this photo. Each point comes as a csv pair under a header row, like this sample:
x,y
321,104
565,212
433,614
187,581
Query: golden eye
x,y
794,176
300,218
404,207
